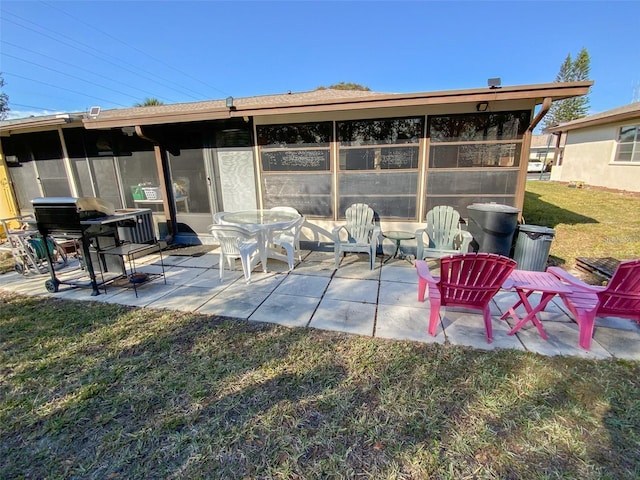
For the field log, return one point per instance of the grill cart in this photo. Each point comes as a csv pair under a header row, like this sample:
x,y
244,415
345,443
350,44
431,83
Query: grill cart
x,y
95,225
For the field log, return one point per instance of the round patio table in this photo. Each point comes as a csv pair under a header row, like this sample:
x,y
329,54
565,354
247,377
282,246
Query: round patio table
x,y
263,222
398,236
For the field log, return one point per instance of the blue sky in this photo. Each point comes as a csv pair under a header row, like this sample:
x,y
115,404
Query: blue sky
x,y
59,56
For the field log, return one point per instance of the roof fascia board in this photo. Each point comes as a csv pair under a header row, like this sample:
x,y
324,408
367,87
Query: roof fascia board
x,y
620,117
38,126
557,91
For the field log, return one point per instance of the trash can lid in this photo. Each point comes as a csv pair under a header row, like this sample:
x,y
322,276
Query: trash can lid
x,y
536,229
493,207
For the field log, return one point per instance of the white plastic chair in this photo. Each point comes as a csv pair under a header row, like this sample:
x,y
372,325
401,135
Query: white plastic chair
x,y
217,217
289,239
362,233
444,235
295,232
236,242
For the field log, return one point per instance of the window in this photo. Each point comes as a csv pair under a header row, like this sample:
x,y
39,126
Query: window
x,y
477,140
378,165
296,166
474,158
628,144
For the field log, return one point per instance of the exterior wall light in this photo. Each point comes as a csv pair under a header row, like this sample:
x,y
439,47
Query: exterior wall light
x,y
482,106
230,105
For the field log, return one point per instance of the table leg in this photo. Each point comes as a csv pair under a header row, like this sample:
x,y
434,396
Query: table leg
x,y
395,254
517,304
532,312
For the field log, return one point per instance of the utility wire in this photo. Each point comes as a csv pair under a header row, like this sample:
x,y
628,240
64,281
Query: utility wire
x,y
69,75
67,89
146,92
184,90
162,62
34,107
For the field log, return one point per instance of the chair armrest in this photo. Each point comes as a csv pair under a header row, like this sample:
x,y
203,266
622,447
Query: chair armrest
x,y
465,241
376,233
423,272
573,281
335,233
420,233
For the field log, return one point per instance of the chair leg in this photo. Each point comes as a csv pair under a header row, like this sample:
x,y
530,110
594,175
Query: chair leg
x,y
290,259
586,322
337,256
246,267
422,287
221,266
486,313
434,316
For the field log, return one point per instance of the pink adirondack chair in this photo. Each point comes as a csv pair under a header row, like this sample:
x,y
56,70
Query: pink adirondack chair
x,y
620,298
468,280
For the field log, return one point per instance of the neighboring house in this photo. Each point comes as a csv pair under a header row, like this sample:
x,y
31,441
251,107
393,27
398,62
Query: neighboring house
x,y
542,148
601,150
317,151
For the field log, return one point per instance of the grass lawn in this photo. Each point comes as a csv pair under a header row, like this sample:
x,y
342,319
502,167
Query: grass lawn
x,y
91,390
589,222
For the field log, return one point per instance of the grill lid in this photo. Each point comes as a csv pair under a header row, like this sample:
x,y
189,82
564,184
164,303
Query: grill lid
x,y
82,204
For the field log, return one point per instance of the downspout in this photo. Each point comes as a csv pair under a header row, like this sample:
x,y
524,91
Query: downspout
x,y
526,147
168,203
546,105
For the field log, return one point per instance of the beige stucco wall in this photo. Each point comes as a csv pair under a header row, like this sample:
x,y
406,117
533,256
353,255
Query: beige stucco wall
x,y
588,157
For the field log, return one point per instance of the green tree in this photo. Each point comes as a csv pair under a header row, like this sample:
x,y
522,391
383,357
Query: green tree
x,y
346,86
571,108
149,102
4,100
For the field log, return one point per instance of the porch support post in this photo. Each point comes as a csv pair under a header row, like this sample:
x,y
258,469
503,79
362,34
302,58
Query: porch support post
x,y
162,165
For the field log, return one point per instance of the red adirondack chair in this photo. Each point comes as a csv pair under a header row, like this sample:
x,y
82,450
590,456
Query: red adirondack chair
x,y
469,280
620,298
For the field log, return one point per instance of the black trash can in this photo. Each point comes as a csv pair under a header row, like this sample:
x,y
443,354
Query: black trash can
x,y
492,226
532,247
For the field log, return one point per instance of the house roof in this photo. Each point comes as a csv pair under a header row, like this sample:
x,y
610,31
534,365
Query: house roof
x,y
628,112
39,123
539,141
314,101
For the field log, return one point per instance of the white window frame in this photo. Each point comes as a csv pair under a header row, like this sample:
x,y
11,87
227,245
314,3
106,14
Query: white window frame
x,y
635,150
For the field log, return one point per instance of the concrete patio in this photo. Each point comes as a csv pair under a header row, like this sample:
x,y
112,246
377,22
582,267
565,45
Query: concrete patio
x,y
379,303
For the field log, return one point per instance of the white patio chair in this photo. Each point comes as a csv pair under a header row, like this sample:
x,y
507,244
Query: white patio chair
x,y
289,239
217,217
443,234
236,242
291,231
362,233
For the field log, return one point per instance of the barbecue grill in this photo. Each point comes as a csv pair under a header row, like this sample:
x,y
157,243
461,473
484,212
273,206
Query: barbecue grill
x,y
90,220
